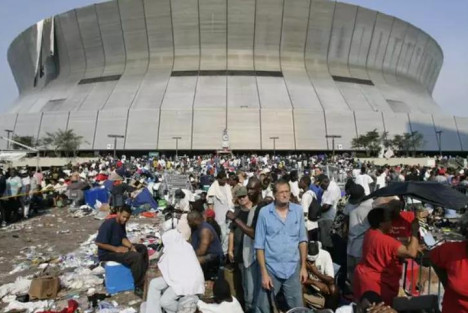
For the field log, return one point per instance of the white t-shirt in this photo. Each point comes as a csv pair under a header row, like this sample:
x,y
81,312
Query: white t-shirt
x,y
324,263
381,181
14,184
345,309
294,188
331,196
364,180
223,307
306,200
356,172
267,193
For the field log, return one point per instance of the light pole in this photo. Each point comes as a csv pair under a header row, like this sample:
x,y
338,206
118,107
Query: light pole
x,y
439,141
274,138
115,143
333,143
176,138
8,131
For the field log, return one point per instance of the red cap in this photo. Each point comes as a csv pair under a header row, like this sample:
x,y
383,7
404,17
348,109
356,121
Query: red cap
x,y
119,164
210,213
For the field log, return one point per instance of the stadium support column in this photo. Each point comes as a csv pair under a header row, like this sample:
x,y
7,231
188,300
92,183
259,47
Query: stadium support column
x,y
439,141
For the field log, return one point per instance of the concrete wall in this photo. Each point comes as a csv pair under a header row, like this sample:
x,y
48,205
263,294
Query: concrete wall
x,y
308,41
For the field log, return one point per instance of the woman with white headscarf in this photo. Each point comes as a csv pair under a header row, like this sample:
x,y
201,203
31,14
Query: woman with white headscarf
x,y
181,275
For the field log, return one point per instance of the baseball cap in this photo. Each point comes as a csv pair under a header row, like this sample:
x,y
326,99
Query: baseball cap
x,y
242,191
210,214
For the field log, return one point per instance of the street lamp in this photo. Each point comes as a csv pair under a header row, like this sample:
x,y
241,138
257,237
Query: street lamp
x,y
8,131
274,138
176,138
333,143
439,141
115,143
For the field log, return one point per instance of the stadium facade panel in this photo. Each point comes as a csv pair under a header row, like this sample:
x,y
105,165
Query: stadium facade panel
x,y
298,70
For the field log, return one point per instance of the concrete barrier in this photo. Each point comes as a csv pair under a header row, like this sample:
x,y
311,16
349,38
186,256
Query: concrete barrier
x,y
48,162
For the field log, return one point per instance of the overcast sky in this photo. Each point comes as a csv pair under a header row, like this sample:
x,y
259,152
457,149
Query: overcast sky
x,y
445,20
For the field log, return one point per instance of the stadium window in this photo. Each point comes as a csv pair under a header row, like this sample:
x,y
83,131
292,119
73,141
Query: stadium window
x,y
99,79
353,80
227,73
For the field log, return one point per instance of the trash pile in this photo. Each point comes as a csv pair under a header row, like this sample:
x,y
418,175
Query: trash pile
x,y
78,276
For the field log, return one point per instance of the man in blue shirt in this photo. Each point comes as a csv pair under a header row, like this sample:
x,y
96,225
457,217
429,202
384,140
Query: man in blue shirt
x,y
281,245
315,187
113,245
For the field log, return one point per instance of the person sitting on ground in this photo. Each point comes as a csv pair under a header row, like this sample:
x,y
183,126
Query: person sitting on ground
x,y
113,245
380,269
321,291
206,244
181,275
223,301
370,302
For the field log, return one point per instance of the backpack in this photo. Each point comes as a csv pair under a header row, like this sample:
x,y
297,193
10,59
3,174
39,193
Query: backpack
x,y
314,210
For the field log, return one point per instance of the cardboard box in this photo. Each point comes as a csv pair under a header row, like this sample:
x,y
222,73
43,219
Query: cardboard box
x,y
45,287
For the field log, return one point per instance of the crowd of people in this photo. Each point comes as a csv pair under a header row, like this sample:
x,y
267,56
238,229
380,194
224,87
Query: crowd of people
x,y
296,230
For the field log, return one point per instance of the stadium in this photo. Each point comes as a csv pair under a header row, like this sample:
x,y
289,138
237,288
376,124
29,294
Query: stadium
x,y
256,73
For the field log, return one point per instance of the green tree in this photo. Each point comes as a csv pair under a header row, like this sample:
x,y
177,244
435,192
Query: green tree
x,y
408,142
63,141
370,142
417,140
25,140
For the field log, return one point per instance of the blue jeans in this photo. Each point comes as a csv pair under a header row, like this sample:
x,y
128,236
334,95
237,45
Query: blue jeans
x,y
292,290
249,283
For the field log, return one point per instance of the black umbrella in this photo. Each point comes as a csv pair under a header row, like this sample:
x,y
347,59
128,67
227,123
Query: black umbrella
x,y
430,192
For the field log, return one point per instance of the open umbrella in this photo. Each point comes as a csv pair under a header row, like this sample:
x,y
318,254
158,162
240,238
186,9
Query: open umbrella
x,y
430,192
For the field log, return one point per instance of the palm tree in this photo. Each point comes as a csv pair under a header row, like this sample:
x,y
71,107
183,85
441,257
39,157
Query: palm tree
x,y
65,141
25,140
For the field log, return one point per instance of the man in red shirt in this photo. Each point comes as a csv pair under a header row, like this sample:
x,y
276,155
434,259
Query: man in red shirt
x,y
450,261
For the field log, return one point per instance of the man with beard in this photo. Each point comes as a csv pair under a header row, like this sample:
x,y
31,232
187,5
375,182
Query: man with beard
x,y
249,265
206,244
113,245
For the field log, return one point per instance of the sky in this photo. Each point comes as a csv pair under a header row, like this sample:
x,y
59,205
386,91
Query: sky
x,y
445,20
